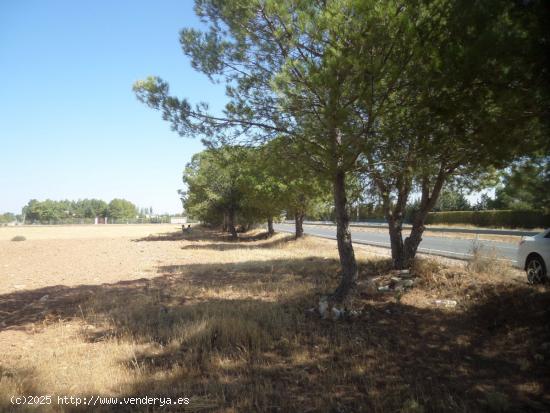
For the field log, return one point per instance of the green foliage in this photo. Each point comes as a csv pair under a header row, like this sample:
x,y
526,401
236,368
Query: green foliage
x,y
451,200
121,209
525,185
215,184
253,184
7,217
494,219
49,211
302,191
90,208
263,191
316,75
468,100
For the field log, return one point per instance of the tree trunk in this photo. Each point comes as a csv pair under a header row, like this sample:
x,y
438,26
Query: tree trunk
x,y
231,224
427,202
224,225
343,236
270,229
299,221
396,240
413,241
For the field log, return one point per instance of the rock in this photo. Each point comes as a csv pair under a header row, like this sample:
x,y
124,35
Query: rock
x,y
384,288
44,298
323,305
407,283
328,312
336,313
402,273
405,274
399,285
446,303
354,314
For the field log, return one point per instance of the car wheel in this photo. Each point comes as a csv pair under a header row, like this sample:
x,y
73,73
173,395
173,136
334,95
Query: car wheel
x,y
536,271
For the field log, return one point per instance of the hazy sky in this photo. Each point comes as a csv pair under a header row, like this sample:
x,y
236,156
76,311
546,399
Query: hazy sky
x,y
70,125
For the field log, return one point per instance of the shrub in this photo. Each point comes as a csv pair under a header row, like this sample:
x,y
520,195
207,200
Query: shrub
x,y
495,218
19,238
481,261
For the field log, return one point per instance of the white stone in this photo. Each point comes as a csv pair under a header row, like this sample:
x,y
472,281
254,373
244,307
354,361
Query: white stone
x,y
323,306
407,283
446,303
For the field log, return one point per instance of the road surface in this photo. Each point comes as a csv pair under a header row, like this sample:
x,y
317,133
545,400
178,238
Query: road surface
x,y
448,247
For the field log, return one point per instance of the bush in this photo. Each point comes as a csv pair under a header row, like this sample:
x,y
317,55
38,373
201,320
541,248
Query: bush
x,y
495,218
19,238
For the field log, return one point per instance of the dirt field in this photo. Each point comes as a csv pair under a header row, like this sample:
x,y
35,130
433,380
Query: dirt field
x,y
80,255
128,311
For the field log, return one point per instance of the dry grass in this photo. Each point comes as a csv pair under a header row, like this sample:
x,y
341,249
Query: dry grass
x,y
225,323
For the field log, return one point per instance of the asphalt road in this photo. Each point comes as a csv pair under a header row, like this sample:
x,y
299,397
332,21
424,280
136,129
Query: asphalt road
x,y
448,247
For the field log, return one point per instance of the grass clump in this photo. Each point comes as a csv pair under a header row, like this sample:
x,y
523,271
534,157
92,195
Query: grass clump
x,y
481,261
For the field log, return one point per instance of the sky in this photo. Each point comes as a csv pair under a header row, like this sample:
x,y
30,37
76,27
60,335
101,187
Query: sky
x,y
70,125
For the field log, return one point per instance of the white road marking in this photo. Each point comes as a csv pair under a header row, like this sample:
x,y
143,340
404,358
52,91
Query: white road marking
x,y
388,245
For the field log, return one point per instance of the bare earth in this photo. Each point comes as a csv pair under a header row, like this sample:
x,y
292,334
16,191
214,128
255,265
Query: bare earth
x,y
80,255
148,311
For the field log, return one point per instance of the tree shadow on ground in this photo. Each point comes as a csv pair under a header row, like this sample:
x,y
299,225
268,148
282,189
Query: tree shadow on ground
x,y
241,244
199,234
238,337
180,236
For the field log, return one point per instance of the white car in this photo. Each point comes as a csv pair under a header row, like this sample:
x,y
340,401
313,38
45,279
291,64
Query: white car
x,y
534,256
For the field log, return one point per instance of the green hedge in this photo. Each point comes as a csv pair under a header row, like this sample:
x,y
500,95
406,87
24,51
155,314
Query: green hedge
x,y
497,219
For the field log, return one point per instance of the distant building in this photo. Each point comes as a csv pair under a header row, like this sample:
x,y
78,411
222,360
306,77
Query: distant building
x,y
178,220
